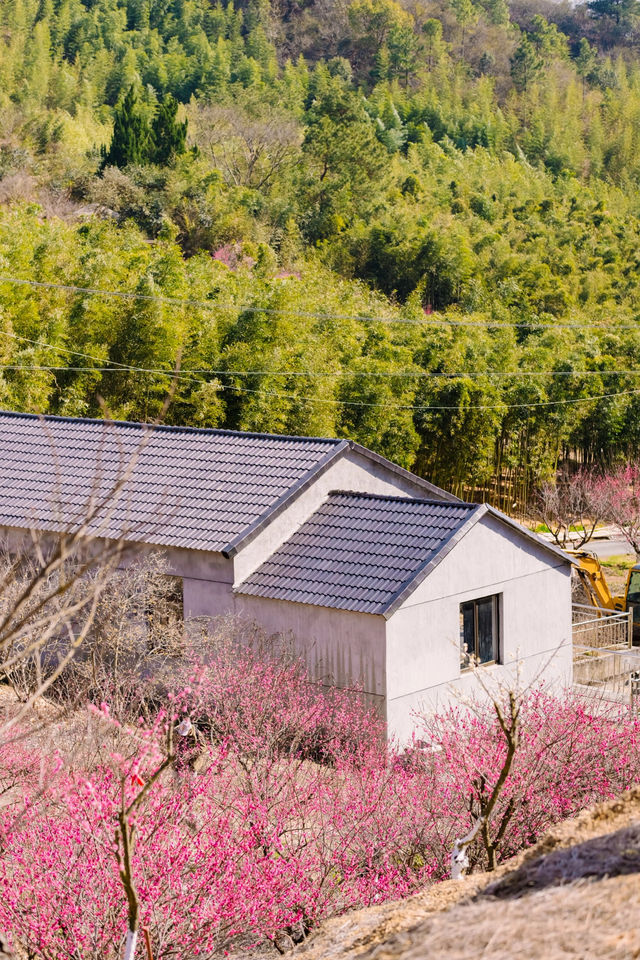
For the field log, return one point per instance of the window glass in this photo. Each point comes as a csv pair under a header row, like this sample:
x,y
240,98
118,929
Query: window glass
x,y
479,630
486,631
633,593
467,632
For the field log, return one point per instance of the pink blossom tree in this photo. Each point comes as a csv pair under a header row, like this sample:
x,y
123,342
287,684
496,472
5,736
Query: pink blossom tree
x,y
618,496
291,817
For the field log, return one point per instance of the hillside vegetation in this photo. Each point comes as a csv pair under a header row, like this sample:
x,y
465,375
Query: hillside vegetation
x,y
307,174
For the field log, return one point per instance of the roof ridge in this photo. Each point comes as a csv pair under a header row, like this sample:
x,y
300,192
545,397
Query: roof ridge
x,y
404,499
169,427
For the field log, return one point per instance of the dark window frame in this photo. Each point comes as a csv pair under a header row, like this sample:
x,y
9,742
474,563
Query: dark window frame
x,y
496,630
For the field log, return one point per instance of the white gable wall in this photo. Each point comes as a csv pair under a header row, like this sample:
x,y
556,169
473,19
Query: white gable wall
x,y
209,577
423,635
352,472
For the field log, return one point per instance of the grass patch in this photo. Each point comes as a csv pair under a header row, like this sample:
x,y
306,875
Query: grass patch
x,y
543,528
619,563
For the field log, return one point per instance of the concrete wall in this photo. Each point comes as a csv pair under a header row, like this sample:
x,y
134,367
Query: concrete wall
x,y
352,471
338,646
423,636
207,581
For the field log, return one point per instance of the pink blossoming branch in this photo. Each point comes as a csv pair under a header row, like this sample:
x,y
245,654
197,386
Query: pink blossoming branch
x,y
256,802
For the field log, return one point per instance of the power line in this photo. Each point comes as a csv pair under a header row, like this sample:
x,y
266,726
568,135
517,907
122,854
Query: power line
x,y
278,311
421,374
408,374
171,374
60,349
312,374
289,396
182,301
337,400
398,406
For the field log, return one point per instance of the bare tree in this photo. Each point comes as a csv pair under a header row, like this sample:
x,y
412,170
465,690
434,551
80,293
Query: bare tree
x,y
618,493
248,146
571,508
52,584
136,636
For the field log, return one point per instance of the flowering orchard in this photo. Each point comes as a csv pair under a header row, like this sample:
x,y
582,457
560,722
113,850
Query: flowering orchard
x,y
295,810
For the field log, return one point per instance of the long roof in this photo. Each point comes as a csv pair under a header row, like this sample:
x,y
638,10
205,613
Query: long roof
x,y
170,486
367,553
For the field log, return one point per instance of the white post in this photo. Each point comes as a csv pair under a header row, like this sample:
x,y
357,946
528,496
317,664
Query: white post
x,y
130,945
459,858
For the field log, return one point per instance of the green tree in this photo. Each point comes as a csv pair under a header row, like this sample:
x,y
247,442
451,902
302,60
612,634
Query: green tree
x,y
432,31
343,157
620,11
548,41
526,65
585,63
466,15
132,140
168,136
373,22
404,52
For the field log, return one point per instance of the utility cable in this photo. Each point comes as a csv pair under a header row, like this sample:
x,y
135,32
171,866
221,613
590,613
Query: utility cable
x,y
399,406
307,314
312,374
333,400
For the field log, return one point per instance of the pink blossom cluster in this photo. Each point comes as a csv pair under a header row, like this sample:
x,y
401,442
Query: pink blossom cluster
x,y
299,810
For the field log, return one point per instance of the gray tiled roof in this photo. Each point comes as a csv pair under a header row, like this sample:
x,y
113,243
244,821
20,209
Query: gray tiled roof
x,y
185,487
358,551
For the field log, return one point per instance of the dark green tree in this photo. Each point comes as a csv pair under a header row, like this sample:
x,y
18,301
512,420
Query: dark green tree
x,y
404,51
525,65
586,63
620,11
132,138
169,137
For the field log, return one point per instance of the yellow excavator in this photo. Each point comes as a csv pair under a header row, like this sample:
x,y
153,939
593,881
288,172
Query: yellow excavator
x,y
597,589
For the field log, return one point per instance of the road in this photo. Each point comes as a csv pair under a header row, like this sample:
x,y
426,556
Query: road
x,y
608,543
610,547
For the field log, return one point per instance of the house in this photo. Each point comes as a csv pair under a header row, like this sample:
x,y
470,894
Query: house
x,y
377,574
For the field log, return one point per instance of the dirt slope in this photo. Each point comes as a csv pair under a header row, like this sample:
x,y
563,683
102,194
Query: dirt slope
x,y
575,894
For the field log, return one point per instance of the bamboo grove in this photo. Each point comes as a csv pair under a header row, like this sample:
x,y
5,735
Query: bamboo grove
x,y
412,223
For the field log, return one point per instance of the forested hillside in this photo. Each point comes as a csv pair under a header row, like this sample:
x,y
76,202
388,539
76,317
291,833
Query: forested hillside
x,y
414,222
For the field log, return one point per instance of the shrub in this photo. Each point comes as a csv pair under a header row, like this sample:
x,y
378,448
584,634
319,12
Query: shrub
x,y
298,811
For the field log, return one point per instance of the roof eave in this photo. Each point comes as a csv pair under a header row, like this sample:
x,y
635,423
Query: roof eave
x,y
530,535
423,572
252,531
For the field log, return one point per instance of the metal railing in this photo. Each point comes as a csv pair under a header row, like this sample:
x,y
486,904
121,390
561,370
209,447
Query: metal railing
x,y
605,664
595,628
